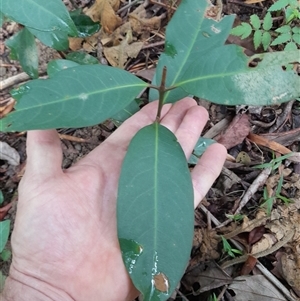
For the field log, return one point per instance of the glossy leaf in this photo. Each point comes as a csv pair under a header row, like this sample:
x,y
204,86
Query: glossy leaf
x,y
43,15
126,113
155,212
190,33
4,232
24,49
82,58
85,25
75,97
226,78
58,65
56,39
201,146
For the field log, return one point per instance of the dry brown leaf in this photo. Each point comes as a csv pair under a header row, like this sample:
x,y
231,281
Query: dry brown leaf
x,y
237,131
9,154
104,12
139,21
117,56
255,288
75,43
265,243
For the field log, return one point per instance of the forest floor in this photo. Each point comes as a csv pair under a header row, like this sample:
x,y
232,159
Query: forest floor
x,y
244,206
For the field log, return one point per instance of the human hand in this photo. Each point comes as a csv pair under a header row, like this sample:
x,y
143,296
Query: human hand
x,y
64,242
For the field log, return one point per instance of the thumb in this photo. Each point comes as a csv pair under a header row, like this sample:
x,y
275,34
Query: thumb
x,y
44,154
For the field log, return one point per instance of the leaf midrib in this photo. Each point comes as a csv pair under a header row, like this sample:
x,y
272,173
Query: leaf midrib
x,y
186,57
77,96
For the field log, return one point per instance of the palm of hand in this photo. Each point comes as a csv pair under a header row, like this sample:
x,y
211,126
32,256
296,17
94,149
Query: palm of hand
x,y
65,232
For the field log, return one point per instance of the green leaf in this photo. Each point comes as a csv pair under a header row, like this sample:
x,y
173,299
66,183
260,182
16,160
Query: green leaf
x,y
5,255
85,25
201,146
2,18
296,29
266,40
284,29
58,65
244,30
24,48
190,34
155,212
291,46
278,5
257,38
127,112
4,233
43,15
82,58
1,197
255,22
56,39
227,68
281,39
2,281
296,38
74,97
268,22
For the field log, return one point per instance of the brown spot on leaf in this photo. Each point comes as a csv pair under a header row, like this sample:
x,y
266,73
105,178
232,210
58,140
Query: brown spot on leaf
x,y
161,282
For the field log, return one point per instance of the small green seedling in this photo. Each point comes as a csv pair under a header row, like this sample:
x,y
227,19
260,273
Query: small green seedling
x,y
268,200
235,217
274,163
228,249
288,34
212,297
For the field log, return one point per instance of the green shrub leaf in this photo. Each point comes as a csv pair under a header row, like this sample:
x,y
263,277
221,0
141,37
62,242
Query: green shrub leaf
x,y
24,49
266,40
227,78
75,97
296,38
4,233
155,190
281,39
296,29
290,46
43,15
2,17
257,38
284,29
1,197
85,25
268,22
278,5
255,22
190,34
82,58
58,65
244,30
56,39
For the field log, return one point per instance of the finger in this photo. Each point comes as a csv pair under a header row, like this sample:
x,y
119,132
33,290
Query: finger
x,y
207,170
190,128
173,119
44,153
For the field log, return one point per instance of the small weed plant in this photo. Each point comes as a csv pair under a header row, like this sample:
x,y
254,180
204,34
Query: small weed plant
x,y
227,249
155,229
264,34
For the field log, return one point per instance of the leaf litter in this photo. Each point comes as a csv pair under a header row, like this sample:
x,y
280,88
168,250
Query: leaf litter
x,y
268,230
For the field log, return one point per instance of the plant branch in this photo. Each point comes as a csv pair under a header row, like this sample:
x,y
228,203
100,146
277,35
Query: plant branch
x,y
161,91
